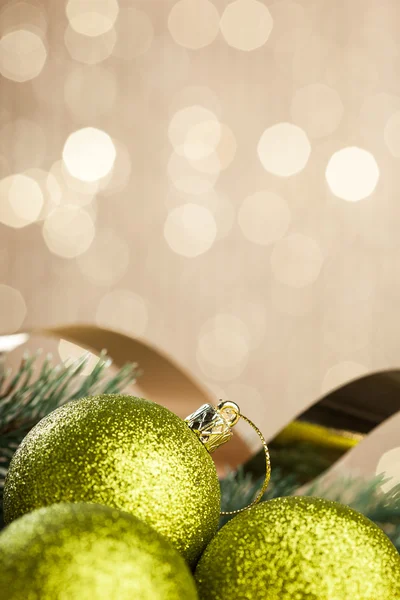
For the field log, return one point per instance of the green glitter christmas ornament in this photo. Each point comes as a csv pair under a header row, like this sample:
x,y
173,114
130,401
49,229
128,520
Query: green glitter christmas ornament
x,y
77,551
303,549
131,454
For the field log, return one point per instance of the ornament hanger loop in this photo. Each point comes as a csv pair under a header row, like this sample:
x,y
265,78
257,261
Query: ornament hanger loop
x,y
213,427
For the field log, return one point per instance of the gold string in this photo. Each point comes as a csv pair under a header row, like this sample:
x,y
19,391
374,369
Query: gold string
x,y
267,472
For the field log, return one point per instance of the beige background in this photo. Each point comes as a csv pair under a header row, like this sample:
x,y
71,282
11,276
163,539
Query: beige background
x,y
249,226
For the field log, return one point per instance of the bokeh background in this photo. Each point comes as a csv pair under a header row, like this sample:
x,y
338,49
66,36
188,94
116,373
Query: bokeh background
x,y
219,178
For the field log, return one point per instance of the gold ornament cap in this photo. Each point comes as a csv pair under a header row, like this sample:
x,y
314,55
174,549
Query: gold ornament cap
x,y
213,426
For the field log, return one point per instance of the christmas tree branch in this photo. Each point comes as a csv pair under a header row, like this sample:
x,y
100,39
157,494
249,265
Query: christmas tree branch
x,y
27,396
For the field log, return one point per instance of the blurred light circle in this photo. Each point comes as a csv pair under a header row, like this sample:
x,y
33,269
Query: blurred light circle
x,y
193,24
219,204
284,149
92,18
21,201
123,310
210,165
246,24
89,154
68,231
49,188
90,91
318,109
89,50
190,230
22,55
389,466
107,259
222,349
342,373
264,217
24,144
392,134
12,309
70,353
135,33
296,260
187,177
194,132
352,174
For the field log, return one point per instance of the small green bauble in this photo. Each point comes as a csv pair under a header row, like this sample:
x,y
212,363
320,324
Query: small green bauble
x,y
122,452
82,551
303,549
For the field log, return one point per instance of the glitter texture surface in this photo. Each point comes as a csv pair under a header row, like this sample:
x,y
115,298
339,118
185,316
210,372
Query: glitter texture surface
x,y
82,551
299,549
122,452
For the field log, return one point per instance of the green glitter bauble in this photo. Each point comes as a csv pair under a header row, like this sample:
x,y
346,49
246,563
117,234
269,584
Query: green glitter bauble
x,y
77,551
303,549
123,452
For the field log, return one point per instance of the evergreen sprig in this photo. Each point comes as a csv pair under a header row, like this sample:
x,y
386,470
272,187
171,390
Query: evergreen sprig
x,y
29,395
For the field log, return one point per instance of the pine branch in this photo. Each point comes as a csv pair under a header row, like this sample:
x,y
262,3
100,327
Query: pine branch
x,y
26,397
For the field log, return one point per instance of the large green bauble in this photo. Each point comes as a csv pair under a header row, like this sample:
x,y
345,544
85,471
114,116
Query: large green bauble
x,y
82,551
299,549
122,452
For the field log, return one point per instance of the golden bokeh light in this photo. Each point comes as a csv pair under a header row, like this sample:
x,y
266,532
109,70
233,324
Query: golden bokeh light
x,y
296,260
12,309
21,200
193,24
352,174
92,18
264,217
389,467
89,154
188,177
123,310
82,95
190,230
70,353
68,231
135,33
246,24
49,187
22,55
89,50
342,373
107,259
194,132
284,149
392,134
222,348
67,189
318,109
